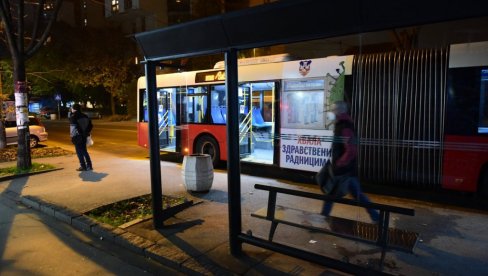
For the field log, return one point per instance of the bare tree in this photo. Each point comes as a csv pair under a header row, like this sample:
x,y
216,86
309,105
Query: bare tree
x,y
17,16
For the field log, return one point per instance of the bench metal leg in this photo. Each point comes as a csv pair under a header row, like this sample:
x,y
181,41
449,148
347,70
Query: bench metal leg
x,y
272,230
383,226
382,260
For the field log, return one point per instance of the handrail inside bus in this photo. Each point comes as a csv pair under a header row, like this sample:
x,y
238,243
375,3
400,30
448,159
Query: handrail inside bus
x,y
163,123
244,127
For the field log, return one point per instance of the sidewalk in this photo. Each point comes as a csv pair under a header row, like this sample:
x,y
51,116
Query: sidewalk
x,y
196,240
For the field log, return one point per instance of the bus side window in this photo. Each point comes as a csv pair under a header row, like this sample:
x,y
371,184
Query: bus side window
x,y
223,111
217,117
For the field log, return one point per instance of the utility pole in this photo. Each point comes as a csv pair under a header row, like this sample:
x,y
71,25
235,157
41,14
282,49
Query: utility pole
x,y
3,133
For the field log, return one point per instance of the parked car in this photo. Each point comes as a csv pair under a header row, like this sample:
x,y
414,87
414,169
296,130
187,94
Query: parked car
x,y
36,128
47,111
92,114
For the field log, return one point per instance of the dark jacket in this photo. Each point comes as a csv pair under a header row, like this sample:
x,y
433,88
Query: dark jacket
x,y
80,127
344,147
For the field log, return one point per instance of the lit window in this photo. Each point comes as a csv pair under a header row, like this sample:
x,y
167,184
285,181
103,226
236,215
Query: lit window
x,y
48,6
115,6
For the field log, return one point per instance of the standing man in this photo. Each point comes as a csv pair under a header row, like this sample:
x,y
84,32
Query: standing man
x,y
344,160
80,128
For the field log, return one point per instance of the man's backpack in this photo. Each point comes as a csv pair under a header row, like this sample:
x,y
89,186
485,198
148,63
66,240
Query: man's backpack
x,y
85,126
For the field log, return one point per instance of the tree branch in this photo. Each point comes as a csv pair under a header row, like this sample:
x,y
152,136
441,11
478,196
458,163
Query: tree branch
x,y
37,20
5,5
6,16
20,27
47,30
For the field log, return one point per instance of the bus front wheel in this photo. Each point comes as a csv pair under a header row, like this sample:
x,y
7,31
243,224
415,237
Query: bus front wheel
x,y
208,145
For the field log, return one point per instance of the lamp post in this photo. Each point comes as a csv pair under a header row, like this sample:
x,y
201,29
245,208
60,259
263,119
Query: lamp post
x,y
57,98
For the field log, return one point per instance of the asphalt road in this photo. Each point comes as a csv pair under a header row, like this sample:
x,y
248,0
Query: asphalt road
x,y
118,138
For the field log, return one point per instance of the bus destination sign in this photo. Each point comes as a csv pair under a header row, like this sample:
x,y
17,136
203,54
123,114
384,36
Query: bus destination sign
x,y
210,76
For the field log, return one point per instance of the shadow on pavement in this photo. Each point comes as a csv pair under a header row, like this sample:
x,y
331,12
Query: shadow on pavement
x,y
212,195
91,176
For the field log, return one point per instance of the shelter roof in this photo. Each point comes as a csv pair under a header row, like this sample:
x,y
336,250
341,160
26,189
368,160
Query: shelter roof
x,y
289,21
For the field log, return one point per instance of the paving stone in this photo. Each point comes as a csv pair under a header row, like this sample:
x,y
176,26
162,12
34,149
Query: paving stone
x,y
192,267
118,231
218,260
133,242
106,231
167,255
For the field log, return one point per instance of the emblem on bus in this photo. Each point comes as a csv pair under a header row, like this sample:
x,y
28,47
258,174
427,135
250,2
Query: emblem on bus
x,y
304,67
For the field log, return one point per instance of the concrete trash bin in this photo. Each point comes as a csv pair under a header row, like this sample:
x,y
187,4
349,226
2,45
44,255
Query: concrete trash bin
x,y
197,172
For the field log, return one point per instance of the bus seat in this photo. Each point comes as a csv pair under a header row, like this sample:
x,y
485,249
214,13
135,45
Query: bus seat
x,y
258,122
223,110
257,118
217,117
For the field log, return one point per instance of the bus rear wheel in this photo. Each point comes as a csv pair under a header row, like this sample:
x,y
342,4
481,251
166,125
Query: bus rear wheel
x,y
208,145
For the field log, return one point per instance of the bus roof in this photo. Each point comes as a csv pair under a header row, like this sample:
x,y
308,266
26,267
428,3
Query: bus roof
x,y
256,60
317,68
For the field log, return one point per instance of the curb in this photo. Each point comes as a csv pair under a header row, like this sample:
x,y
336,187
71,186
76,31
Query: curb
x,y
171,256
14,176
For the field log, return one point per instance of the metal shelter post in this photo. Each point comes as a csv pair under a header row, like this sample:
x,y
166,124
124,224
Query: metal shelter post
x,y
233,161
155,165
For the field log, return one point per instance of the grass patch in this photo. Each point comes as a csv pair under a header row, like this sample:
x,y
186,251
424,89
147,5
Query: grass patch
x,y
10,153
36,167
127,210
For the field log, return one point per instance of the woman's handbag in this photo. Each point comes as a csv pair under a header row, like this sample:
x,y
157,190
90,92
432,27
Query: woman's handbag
x,y
325,177
89,141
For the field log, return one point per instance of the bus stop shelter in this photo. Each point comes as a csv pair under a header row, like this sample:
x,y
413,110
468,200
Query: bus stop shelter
x,y
281,22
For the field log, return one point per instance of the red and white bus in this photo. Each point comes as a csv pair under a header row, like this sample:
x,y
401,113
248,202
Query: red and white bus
x,y
421,115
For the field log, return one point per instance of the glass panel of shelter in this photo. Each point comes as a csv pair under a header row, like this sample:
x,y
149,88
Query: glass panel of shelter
x,y
167,118
194,104
261,121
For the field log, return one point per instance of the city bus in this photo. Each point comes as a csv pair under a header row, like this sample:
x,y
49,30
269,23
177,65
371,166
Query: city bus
x,y
421,115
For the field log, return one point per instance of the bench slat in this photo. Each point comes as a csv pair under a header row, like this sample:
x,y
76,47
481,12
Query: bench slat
x,y
397,239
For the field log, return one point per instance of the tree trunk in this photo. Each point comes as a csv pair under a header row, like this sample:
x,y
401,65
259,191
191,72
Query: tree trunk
x,y
3,135
22,113
112,103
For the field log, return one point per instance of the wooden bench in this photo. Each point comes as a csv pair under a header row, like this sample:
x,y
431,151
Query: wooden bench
x,y
379,234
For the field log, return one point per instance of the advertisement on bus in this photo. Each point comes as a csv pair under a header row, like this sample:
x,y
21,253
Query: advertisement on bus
x,y
306,132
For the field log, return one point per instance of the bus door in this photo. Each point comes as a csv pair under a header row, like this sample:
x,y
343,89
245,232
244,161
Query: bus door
x,y
166,119
261,117
218,112
245,121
